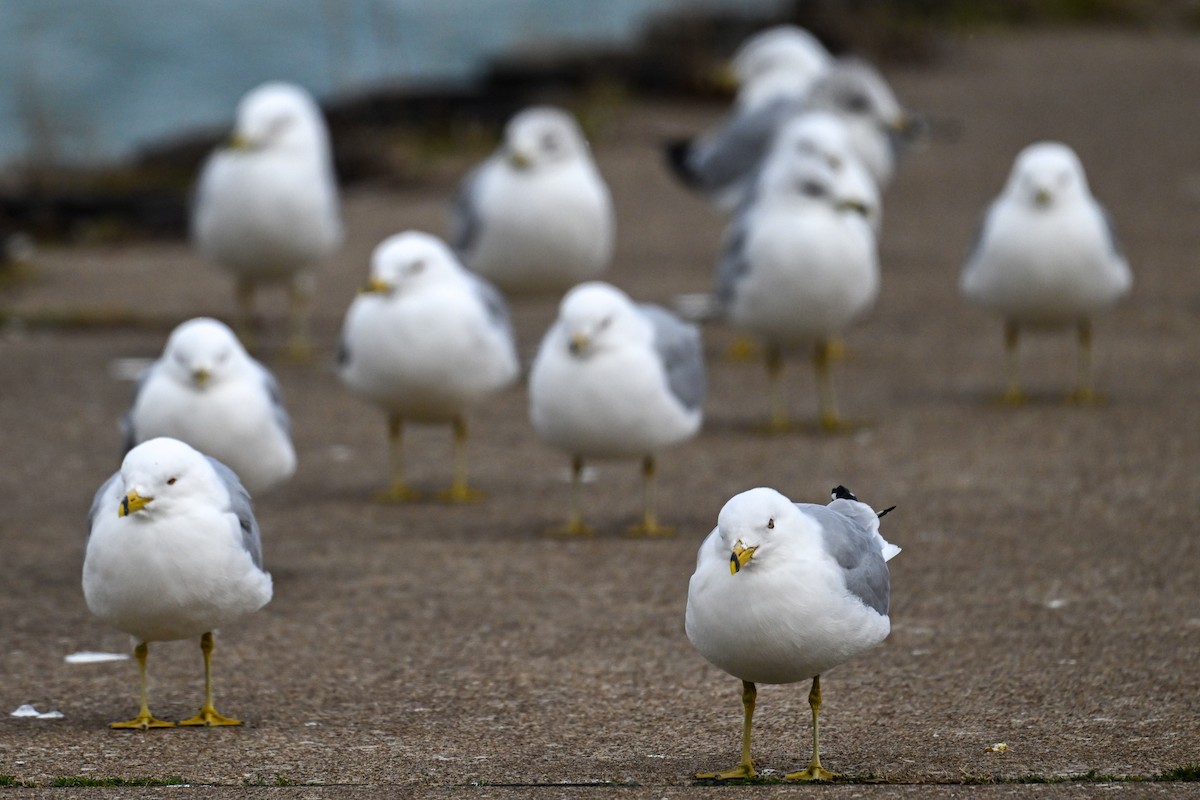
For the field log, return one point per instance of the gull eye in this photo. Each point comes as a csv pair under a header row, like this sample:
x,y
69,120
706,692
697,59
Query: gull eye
x,y
550,142
171,482
416,267
771,522
858,103
604,323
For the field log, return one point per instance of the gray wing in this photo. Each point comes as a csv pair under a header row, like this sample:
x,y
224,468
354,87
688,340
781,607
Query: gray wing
x,y
493,301
128,431
465,223
980,232
732,153
98,500
1113,241
277,409
733,264
678,346
855,550
239,503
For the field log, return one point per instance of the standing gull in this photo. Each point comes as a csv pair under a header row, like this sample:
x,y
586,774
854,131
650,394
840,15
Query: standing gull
x,y
535,216
266,205
425,341
784,592
613,379
798,266
174,552
1046,257
207,391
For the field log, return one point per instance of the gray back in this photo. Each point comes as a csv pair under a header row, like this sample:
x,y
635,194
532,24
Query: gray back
x,y
681,352
856,551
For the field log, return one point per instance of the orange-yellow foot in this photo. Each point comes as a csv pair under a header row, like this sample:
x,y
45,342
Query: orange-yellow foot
x,y
142,722
1086,397
813,773
209,717
649,529
832,423
1012,397
298,351
740,771
460,494
573,529
743,349
397,493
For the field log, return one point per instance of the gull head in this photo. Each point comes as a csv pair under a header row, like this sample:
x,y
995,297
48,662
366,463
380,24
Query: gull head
x,y
781,59
797,177
751,525
278,116
854,90
202,353
597,316
1045,175
816,134
410,261
543,136
160,474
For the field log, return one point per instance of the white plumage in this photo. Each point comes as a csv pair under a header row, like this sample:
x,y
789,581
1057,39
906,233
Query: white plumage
x,y
426,341
266,206
536,216
779,62
174,552
1046,255
798,267
613,379
784,592
207,391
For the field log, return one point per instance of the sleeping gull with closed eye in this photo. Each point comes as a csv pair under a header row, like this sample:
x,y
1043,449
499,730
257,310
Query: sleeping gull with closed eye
x,y
615,379
173,553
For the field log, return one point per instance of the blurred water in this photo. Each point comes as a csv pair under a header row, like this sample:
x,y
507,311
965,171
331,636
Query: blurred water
x,y
90,80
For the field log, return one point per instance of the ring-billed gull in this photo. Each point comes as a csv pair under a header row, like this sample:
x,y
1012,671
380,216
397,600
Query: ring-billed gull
x,y
266,205
207,391
174,552
781,61
722,162
535,216
425,341
614,379
797,268
784,592
1046,257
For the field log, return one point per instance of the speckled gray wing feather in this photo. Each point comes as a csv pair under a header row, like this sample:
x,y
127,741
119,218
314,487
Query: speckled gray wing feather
x,y
277,408
855,549
733,152
733,264
465,223
239,504
679,348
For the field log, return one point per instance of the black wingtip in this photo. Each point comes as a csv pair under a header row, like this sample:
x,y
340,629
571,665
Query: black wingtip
x,y
842,493
886,510
677,151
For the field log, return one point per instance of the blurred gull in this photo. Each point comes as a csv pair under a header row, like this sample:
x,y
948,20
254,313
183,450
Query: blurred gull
x,y
613,379
425,341
266,206
1046,257
174,552
207,391
784,592
798,267
535,216
722,162
782,61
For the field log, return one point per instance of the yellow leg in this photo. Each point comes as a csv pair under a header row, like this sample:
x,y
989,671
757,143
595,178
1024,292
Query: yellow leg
x,y
574,526
831,421
459,491
144,720
208,715
1013,396
1085,393
649,526
244,291
399,492
745,768
779,422
814,772
299,346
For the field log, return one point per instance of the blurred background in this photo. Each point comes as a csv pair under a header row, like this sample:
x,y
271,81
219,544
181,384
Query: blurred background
x,y
108,107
